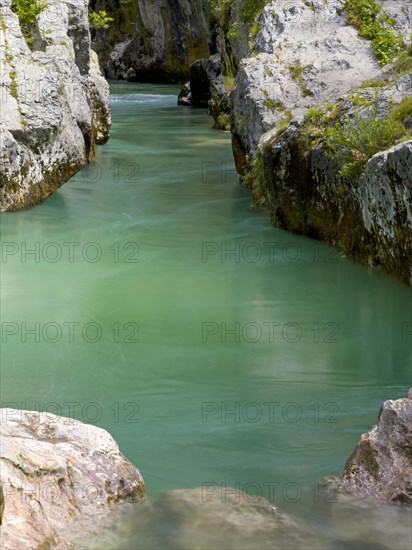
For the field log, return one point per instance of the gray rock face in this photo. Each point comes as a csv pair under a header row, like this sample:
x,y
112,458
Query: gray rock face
x,y
54,472
155,41
381,463
55,103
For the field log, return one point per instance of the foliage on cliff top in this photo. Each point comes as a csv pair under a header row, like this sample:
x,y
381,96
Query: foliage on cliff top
x,y
376,25
27,11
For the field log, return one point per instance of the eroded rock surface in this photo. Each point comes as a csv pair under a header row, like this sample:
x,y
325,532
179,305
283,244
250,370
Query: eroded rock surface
x,y
55,471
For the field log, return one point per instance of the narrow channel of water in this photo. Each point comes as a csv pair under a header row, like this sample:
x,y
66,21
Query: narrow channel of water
x,y
162,307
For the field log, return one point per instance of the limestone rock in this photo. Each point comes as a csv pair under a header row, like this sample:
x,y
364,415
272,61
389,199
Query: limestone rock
x,y
55,103
306,56
381,463
55,471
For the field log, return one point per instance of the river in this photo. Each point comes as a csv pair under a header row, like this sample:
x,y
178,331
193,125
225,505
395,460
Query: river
x,y
148,297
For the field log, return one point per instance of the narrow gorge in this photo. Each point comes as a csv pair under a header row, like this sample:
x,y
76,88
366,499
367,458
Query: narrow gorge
x,y
206,262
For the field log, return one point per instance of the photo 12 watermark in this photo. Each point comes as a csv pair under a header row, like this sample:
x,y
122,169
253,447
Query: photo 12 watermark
x,y
69,412
252,492
53,252
269,332
269,412
268,252
69,332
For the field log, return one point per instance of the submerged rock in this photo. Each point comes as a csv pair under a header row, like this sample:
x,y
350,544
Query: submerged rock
x,y
55,102
381,463
204,519
55,471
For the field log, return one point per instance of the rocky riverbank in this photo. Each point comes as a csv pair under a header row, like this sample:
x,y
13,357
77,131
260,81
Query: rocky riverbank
x,y
321,122
55,102
63,484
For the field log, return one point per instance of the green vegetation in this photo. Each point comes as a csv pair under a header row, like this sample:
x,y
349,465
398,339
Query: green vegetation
x,y
255,179
27,11
274,104
403,62
403,111
3,24
314,115
230,82
14,92
374,83
223,121
375,24
317,120
99,19
250,10
248,13
221,12
283,123
234,31
296,72
352,142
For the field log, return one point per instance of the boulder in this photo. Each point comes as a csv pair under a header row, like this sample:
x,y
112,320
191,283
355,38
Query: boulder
x,y
54,472
380,465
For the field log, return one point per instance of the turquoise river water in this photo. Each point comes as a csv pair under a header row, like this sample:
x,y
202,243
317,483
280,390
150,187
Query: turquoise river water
x,y
149,298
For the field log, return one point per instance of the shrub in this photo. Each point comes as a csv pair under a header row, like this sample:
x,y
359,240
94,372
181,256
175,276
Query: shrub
x,y
352,142
373,23
99,20
223,121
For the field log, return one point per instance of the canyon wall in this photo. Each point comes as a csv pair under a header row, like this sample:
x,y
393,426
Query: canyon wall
x,y
55,101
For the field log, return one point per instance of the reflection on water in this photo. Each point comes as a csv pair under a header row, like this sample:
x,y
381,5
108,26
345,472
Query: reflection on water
x,y
248,354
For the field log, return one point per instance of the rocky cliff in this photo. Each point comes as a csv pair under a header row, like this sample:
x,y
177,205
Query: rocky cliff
x,y
318,99
153,41
55,472
54,104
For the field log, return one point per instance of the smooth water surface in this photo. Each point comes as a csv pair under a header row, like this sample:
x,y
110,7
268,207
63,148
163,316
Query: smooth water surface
x,y
164,308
